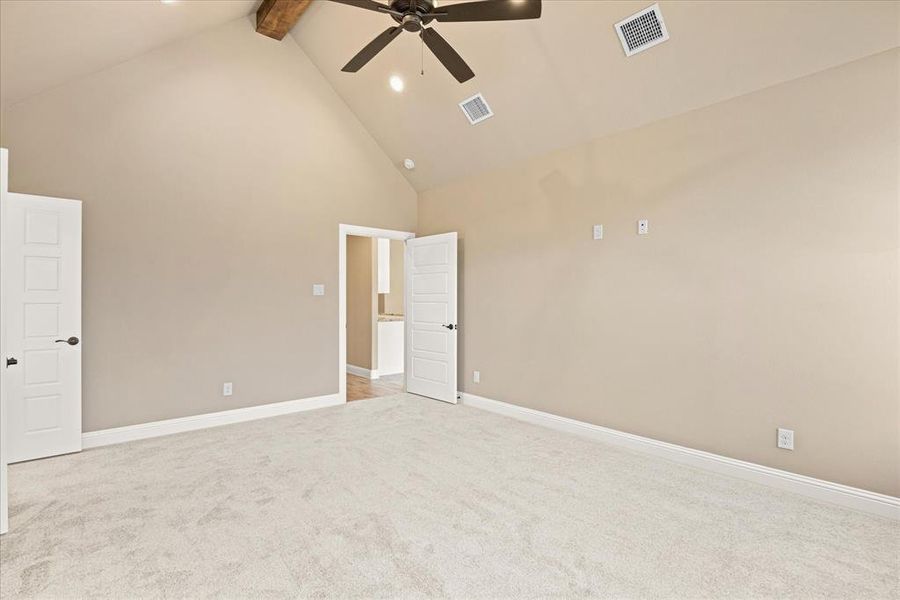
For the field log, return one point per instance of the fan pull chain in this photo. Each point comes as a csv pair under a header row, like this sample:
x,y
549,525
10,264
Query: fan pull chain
x,y
422,54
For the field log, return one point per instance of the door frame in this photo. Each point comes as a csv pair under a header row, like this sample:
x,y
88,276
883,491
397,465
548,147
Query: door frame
x,y
343,231
4,478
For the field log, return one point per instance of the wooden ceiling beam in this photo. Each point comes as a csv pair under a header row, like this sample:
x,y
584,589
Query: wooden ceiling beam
x,y
276,17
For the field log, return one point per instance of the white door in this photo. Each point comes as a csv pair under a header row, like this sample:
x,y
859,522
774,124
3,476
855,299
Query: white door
x,y
431,325
42,281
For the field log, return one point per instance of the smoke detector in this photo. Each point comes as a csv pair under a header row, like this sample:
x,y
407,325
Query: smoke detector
x,y
409,164
476,109
642,30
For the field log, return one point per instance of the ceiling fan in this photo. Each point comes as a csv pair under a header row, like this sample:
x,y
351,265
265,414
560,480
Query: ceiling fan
x,y
414,15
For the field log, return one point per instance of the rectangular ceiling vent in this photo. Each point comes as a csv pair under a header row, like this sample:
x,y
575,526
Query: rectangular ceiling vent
x,y
642,30
476,109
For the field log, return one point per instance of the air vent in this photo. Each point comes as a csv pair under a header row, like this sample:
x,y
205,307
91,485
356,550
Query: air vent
x,y
642,30
476,109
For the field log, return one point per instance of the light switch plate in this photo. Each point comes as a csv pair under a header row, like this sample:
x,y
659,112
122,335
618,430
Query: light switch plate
x,y
598,232
318,289
643,226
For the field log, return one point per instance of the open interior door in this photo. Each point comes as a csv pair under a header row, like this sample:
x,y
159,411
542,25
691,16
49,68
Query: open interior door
x,y
42,285
431,325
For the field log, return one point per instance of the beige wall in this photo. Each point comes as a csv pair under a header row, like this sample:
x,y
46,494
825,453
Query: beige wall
x,y
392,303
362,302
765,295
214,173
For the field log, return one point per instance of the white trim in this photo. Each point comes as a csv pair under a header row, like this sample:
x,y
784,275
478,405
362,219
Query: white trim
x,y
4,479
361,372
343,231
818,489
130,433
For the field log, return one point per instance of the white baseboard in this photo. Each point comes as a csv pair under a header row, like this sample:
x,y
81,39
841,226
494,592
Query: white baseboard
x,y
826,491
386,374
118,435
361,372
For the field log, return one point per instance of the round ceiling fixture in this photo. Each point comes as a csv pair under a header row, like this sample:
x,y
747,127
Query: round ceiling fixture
x,y
409,164
396,83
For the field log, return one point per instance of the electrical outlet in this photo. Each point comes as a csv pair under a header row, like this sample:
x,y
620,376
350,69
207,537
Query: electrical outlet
x,y
786,438
476,376
643,226
318,289
227,389
598,232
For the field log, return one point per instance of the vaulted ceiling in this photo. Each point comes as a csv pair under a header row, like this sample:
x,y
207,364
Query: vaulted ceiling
x,y
552,82
564,78
45,43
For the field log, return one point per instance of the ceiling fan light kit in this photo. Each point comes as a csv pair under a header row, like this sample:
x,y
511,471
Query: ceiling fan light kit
x,y
415,16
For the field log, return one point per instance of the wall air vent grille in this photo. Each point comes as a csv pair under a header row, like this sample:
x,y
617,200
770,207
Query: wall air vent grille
x,y
476,109
642,30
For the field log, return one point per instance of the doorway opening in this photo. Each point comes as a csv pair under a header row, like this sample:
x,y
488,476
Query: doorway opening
x,y
375,317
429,303
372,312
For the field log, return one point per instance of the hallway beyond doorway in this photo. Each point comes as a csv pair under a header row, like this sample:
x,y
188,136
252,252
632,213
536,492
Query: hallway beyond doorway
x,y
361,388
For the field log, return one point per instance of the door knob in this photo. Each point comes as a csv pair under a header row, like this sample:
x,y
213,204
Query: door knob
x,y
11,361
451,326
72,341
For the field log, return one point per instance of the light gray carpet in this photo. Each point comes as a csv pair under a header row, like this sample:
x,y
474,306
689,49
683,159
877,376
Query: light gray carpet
x,y
404,497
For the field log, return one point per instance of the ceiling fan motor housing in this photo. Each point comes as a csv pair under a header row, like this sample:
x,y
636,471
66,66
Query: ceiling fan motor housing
x,y
411,23
414,13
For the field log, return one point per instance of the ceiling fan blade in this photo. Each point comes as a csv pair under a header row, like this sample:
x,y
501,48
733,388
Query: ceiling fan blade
x,y
366,4
447,55
372,48
489,10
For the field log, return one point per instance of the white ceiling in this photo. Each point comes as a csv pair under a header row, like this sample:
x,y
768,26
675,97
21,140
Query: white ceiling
x,y
44,43
564,78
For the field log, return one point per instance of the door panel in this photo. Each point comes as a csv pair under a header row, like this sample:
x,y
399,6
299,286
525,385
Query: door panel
x,y
42,264
431,327
434,283
430,312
